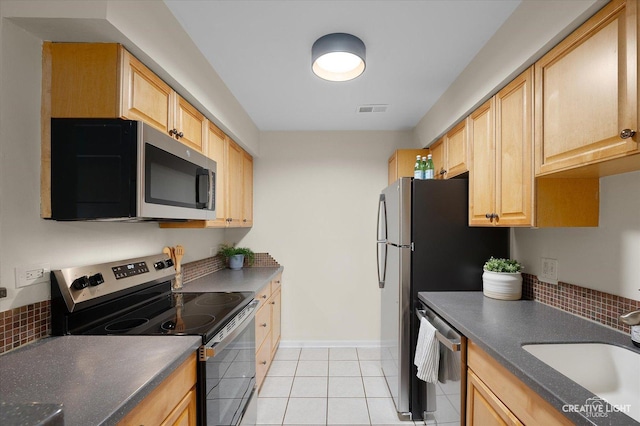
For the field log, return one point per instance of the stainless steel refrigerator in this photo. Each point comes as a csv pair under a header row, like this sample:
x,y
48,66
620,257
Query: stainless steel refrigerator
x,y
424,244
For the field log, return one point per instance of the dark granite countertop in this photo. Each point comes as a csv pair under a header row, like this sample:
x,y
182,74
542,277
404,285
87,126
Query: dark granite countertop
x,y
245,279
97,379
501,328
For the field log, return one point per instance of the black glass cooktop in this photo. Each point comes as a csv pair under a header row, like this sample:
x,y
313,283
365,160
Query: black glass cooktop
x,y
171,313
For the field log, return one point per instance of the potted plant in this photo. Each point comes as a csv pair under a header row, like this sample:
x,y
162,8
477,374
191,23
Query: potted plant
x,y
502,279
235,255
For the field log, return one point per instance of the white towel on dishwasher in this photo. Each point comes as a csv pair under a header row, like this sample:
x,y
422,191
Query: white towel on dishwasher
x,y
427,352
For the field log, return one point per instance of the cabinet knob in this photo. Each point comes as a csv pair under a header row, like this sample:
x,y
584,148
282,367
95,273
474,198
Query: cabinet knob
x,y
264,296
263,324
180,134
443,172
273,303
627,133
263,362
173,132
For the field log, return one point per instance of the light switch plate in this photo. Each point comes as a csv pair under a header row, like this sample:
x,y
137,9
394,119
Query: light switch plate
x,y
549,271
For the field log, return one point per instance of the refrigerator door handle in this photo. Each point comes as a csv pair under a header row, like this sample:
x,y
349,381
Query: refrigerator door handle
x,y
381,252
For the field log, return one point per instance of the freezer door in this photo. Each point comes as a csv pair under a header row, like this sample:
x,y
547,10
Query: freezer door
x,y
395,329
398,212
382,241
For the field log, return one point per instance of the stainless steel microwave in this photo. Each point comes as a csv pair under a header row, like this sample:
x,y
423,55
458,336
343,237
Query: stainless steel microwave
x,y
114,169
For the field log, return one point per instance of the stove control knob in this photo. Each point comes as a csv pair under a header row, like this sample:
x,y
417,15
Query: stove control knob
x,y
169,262
80,283
96,279
159,265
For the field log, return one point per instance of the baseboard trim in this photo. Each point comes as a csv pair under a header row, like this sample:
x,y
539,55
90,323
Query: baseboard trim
x,y
329,344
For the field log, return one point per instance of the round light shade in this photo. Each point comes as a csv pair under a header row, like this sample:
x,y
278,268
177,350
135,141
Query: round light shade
x,y
338,57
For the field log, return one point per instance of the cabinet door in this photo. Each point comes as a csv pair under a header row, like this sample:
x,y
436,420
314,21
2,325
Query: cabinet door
x,y
234,197
145,96
586,92
514,146
185,412
457,149
482,162
217,148
190,124
439,160
247,189
483,407
276,316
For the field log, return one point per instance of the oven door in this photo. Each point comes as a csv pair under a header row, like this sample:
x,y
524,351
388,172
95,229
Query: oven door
x,y
228,375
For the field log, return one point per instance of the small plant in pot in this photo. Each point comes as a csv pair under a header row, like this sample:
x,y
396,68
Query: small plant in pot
x,y
502,279
235,256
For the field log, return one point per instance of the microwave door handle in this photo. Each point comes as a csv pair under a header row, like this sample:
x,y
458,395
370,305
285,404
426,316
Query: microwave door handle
x,y
211,201
200,188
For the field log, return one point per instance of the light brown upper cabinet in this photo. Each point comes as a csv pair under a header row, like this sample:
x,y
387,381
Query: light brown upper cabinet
x,y
402,163
247,190
103,80
218,143
438,156
586,103
450,153
501,160
456,145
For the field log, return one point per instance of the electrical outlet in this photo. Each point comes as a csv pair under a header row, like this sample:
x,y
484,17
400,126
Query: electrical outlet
x,y
32,274
549,271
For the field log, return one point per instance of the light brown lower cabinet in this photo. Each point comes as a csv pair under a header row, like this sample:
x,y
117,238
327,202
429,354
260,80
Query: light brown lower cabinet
x,y
497,397
267,327
173,402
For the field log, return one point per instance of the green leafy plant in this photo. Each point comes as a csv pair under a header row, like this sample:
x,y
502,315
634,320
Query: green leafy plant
x,y
228,250
502,265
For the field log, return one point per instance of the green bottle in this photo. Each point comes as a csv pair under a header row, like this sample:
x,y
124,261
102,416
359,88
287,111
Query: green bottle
x,y
429,170
423,167
417,168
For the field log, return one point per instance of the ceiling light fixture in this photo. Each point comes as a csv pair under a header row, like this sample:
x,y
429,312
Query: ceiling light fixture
x,y
338,57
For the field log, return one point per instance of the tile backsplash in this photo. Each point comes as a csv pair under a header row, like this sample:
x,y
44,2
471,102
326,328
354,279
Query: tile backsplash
x,y
23,325
595,305
26,324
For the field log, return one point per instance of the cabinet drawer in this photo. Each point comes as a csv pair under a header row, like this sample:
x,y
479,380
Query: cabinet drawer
x,y
263,360
263,295
263,324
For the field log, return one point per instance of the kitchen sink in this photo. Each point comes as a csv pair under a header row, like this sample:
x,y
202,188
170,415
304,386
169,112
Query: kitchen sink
x,y
610,372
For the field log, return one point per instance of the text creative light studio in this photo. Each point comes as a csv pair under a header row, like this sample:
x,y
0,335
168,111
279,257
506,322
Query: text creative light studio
x,y
596,407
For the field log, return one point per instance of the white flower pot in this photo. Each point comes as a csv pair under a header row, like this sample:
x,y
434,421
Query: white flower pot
x,y
236,261
502,285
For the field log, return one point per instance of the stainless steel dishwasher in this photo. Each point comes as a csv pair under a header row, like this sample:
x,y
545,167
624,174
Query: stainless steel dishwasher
x,y
444,401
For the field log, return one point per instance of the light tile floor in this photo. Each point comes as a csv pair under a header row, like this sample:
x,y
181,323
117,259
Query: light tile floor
x,y
336,386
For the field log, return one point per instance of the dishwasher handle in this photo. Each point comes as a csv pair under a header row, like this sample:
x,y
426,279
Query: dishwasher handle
x,y
442,330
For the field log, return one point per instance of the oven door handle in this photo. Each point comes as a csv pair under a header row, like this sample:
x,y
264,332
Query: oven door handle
x,y
210,350
452,345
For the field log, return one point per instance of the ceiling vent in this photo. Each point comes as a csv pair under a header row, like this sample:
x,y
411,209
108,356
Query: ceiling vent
x,y
373,108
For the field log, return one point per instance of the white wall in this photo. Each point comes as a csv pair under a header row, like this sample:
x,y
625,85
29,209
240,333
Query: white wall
x,y
316,199
25,238
605,258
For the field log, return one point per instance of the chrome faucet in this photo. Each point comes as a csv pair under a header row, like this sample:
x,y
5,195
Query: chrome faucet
x,y
631,318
